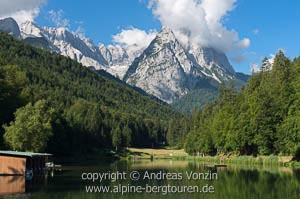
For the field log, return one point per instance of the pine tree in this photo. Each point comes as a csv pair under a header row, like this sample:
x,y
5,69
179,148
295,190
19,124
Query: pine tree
x,y
127,133
266,65
116,137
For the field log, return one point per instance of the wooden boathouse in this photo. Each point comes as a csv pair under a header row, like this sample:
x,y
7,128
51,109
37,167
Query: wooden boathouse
x,y
19,163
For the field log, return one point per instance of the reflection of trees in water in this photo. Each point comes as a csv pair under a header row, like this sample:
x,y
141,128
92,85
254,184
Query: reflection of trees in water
x,y
234,182
248,184
36,183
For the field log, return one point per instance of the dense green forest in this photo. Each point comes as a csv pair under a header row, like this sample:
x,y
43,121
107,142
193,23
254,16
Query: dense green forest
x,y
51,103
262,119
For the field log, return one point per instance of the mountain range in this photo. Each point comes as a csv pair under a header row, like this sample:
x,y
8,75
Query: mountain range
x,y
166,69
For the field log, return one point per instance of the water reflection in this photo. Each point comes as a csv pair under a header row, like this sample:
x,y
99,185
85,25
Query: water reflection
x,y
21,186
234,182
12,185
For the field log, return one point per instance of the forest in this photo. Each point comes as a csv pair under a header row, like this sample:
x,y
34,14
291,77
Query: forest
x,y
51,103
262,119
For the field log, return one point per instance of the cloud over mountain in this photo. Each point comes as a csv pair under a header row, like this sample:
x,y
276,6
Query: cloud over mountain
x,y
134,37
196,22
56,17
199,22
20,10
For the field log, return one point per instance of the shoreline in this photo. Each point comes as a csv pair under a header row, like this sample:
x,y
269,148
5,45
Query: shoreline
x,y
137,154
179,154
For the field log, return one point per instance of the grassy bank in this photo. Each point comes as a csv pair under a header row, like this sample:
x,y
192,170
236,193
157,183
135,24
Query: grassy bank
x,y
137,153
180,154
249,160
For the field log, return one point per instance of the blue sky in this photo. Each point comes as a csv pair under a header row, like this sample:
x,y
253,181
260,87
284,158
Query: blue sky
x,y
269,25
102,19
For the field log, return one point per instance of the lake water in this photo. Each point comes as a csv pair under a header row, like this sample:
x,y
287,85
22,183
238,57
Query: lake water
x,y
157,179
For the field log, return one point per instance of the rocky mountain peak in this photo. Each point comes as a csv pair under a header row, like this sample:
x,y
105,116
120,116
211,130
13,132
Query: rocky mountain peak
x,y
168,70
30,29
165,68
166,35
161,69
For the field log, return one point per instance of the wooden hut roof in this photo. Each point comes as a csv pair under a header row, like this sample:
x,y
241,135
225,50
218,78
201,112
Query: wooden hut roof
x,y
24,154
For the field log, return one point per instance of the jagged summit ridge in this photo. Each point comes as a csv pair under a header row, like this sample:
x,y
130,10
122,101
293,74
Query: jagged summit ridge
x,y
165,68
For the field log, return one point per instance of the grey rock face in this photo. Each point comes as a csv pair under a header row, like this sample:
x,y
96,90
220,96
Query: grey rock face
x,y
10,26
67,43
168,71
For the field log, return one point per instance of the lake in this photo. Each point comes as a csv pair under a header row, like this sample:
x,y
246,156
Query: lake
x,y
157,179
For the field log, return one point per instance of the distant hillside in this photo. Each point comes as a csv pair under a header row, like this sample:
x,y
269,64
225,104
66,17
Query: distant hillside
x,y
195,99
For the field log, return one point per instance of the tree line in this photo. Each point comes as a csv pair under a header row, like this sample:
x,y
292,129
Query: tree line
x,y
262,119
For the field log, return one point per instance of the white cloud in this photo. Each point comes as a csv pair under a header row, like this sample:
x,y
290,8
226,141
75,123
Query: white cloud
x,y
56,17
20,10
200,21
134,37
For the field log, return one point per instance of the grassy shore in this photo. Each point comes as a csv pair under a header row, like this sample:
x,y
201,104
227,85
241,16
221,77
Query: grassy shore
x,y
155,153
180,154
